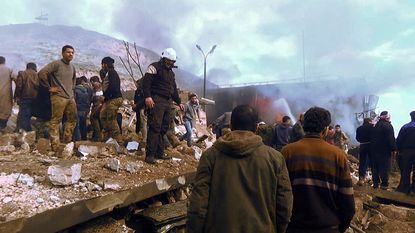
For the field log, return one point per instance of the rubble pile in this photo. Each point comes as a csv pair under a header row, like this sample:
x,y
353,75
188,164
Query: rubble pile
x,y
371,215
33,179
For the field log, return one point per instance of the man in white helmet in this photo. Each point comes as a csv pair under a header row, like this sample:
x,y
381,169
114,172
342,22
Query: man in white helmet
x,y
159,89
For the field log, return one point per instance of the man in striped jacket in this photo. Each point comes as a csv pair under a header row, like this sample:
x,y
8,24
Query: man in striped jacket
x,y
320,179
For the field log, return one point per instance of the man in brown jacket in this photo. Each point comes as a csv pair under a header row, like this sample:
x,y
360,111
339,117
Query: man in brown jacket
x,y
26,90
241,184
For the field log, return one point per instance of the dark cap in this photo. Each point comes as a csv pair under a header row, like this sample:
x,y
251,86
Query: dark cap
x,y
107,60
384,113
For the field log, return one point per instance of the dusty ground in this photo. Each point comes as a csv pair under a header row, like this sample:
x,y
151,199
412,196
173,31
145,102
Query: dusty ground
x,y
381,218
19,198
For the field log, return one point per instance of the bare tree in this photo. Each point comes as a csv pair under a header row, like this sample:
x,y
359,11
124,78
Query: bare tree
x,y
135,58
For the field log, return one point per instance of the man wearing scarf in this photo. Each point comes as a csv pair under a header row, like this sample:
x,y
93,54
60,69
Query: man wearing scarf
x,y
383,147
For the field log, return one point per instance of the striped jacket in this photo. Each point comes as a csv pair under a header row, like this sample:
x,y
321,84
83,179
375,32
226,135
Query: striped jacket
x,y
321,183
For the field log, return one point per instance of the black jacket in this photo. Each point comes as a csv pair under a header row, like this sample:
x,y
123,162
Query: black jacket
x,y
112,85
297,132
383,137
159,80
363,133
406,137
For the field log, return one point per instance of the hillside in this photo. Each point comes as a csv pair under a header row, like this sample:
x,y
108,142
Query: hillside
x,y
22,43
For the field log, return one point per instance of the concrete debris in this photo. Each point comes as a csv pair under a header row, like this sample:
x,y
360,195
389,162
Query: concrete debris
x,y
85,150
26,180
132,146
133,167
39,200
7,200
8,148
113,164
115,143
54,198
68,150
65,173
197,153
111,185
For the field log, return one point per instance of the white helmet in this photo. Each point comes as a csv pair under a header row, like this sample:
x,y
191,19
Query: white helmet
x,y
169,53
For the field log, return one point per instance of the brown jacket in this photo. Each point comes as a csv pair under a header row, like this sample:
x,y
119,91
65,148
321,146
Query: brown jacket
x,y
241,186
27,84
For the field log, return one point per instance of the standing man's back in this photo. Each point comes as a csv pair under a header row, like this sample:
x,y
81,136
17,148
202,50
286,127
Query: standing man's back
x,y
320,178
6,96
241,185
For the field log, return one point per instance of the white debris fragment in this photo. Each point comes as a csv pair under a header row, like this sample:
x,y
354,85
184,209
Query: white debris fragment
x,y
7,200
65,173
162,184
132,146
113,164
68,150
198,152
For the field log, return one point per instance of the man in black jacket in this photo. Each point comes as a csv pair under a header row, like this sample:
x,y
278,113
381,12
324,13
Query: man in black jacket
x,y
363,134
113,100
159,88
383,147
406,147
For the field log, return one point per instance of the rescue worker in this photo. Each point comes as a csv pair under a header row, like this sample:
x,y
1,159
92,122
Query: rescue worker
x,y
60,76
159,88
113,101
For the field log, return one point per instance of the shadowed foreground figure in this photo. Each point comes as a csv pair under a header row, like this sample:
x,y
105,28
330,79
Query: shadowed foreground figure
x,y
241,184
320,178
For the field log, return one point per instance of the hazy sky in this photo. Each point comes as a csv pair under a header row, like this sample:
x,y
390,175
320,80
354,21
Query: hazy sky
x,y
258,40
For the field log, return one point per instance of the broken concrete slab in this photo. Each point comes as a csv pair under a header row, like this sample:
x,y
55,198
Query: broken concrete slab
x,y
132,146
111,185
65,173
113,164
86,148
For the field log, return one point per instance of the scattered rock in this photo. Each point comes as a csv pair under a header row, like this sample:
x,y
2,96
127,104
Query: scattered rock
x,y
113,164
133,167
68,150
55,198
26,180
7,200
111,185
39,200
65,173
112,141
132,146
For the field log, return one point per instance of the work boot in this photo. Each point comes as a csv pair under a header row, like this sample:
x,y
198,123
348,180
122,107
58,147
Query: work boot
x,y
150,160
163,157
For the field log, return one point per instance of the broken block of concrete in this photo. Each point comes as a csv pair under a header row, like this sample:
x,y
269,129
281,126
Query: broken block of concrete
x,y
113,164
132,167
115,143
68,150
111,185
26,180
85,150
132,146
65,173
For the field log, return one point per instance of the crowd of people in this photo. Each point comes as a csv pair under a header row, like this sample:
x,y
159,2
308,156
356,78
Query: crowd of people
x,y
243,185
64,103
378,147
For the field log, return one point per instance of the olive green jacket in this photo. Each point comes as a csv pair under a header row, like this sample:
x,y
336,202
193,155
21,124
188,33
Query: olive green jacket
x,y
241,186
